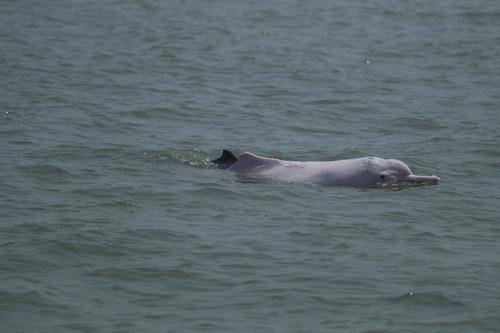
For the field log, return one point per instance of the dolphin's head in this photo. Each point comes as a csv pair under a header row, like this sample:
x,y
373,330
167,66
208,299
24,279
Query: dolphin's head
x,y
397,172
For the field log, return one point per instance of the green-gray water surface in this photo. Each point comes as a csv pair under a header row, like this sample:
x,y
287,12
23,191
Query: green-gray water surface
x,y
112,220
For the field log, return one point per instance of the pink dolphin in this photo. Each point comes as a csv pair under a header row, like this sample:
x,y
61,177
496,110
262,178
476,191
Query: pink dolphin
x,y
357,172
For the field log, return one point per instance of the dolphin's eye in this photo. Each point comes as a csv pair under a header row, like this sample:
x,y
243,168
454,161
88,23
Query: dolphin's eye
x,y
382,177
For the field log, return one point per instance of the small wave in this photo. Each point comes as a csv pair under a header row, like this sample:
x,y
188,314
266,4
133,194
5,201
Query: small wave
x,y
44,171
107,192
164,113
192,158
28,297
133,274
14,300
399,186
152,235
213,191
482,15
153,113
418,123
82,245
430,298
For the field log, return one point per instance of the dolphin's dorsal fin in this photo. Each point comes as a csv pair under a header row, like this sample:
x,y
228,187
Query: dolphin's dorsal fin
x,y
225,160
248,162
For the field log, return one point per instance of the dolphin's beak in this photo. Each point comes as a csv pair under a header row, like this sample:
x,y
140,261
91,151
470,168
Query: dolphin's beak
x,y
432,180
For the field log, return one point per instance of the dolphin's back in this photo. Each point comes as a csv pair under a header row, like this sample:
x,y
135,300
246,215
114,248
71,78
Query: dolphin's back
x,y
251,163
341,172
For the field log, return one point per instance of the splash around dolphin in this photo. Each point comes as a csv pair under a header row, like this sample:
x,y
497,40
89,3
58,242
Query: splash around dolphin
x,y
357,172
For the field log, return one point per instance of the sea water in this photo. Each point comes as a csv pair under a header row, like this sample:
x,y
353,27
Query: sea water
x,y
113,220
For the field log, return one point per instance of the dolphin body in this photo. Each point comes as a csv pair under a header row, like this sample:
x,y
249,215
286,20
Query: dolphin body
x,y
357,172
